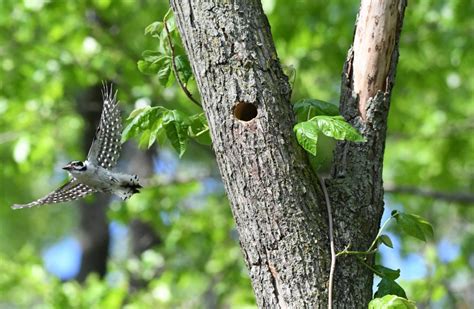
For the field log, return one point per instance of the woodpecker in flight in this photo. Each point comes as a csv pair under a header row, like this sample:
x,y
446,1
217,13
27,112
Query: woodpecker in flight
x,y
95,174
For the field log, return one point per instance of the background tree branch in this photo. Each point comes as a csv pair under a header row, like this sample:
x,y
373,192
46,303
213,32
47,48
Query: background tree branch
x,y
457,197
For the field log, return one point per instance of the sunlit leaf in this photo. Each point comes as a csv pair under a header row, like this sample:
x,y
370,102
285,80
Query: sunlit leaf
x,y
414,225
336,127
170,22
391,302
307,136
154,29
176,130
137,111
144,119
332,126
153,56
308,108
199,129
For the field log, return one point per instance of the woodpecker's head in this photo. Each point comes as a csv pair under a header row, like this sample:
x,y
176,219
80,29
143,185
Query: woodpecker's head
x,y
75,166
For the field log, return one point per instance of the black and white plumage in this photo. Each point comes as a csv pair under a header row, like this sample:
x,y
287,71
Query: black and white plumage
x,y
95,174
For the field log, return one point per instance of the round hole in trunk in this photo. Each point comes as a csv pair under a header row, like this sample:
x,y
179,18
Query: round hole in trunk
x,y
245,111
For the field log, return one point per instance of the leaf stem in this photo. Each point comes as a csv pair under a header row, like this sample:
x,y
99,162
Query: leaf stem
x,y
370,267
374,243
173,62
344,252
372,249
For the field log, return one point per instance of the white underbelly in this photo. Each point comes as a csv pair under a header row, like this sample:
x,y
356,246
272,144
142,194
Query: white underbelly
x,y
103,181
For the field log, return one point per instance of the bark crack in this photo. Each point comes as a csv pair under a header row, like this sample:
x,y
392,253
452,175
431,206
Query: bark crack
x,y
275,280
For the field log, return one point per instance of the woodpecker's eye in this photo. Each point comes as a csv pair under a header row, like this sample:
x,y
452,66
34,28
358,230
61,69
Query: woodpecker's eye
x,y
78,163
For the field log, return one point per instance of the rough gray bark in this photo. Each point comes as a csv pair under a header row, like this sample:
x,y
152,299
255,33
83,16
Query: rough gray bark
x,y
276,202
267,177
356,188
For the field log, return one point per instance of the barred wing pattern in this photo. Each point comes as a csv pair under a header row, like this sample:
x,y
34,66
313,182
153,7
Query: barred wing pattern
x,y
69,191
105,148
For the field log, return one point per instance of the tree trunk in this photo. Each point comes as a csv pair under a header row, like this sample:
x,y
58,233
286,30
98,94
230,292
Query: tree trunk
x,y
142,235
356,188
268,180
275,198
93,224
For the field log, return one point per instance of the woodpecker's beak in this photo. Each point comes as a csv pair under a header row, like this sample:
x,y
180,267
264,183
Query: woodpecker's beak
x,y
68,167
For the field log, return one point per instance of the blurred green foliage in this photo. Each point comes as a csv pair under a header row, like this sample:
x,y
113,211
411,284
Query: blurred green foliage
x,y
51,50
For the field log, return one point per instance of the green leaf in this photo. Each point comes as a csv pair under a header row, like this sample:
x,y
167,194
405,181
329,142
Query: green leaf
x,y
290,71
154,29
143,120
155,122
308,108
384,239
197,124
338,128
332,126
157,128
307,136
199,129
156,62
170,22
415,226
391,302
144,138
183,67
386,272
137,111
176,130
148,68
154,56
389,287
164,73
133,127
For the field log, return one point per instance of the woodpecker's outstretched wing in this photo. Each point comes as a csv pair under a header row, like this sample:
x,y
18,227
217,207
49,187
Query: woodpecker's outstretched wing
x,y
69,191
105,148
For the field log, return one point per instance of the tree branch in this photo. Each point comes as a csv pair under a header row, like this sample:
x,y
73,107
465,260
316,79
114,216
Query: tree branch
x,y
456,197
356,187
173,63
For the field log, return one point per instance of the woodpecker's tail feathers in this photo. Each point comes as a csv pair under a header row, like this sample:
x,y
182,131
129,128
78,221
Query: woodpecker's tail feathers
x,y
129,187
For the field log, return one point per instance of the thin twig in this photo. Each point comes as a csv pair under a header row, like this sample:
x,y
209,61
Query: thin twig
x,y
373,246
343,252
173,62
456,197
331,242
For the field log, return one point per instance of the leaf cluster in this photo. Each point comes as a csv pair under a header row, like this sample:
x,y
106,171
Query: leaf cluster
x,y
169,53
412,225
157,123
321,117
